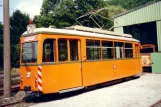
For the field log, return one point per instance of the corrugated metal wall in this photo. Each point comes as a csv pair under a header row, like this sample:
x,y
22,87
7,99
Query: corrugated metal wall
x,y
159,35
146,14
119,29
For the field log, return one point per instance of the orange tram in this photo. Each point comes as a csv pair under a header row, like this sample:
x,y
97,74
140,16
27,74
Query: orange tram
x,y
63,60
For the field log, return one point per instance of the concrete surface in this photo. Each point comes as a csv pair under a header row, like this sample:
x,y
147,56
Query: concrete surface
x,y
141,92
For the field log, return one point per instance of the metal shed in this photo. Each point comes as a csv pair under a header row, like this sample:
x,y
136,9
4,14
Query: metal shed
x,y
143,22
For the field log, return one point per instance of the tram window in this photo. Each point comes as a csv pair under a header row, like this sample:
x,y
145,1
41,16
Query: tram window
x,y
93,49
63,51
73,50
107,50
48,50
119,46
128,50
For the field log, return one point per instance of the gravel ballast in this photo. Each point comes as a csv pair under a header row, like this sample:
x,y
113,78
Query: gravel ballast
x,y
141,92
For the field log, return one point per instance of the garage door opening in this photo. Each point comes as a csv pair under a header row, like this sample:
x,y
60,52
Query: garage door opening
x,y
147,34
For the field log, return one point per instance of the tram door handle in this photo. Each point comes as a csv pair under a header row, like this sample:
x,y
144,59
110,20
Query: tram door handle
x,y
114,66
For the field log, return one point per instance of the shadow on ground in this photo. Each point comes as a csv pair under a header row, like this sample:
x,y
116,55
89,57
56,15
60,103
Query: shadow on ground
x,y
147,69
53,97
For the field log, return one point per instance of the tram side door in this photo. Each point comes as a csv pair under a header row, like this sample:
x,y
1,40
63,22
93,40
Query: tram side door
x,y
70,75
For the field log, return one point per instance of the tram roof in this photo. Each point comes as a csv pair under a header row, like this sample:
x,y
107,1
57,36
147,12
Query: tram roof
x,y
84,33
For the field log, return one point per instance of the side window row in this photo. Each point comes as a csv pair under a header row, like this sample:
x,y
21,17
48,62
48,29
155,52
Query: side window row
x,y
49,50
96,49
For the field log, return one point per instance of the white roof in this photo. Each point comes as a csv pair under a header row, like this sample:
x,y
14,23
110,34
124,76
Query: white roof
x,y
76,33
96,30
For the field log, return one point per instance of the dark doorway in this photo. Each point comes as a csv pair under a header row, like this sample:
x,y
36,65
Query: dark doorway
x,y
146,33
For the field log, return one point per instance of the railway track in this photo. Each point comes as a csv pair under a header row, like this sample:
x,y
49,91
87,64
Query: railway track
x,y
12,76
13,88
11,104
14,82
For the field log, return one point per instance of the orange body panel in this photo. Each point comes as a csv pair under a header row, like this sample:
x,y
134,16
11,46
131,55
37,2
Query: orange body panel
x,y
63,76
57,76
28,81
107,70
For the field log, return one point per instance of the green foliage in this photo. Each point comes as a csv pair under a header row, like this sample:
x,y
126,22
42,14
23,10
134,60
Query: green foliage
x,y
64,12
113,10
128,4
15,55
18,23
48,6
1,45
83,6
1,55
1,33
108,14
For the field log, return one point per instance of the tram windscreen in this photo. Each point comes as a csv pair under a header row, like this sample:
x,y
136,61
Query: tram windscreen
x,y
29,52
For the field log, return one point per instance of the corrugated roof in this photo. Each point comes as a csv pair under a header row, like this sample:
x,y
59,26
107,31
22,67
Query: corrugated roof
x,y
137,8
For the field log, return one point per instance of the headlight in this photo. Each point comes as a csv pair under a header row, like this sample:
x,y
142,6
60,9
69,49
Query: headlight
x,y
28,74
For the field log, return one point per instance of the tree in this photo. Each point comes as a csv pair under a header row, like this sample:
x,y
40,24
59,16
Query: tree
x,y
108,13
45,19
48,6
59,14
18,24
1,45
1,33
128,4
64,12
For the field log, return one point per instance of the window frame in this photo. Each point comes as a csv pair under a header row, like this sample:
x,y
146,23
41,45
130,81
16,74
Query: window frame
x,y
78,50
93,47
122,55
68,49
132,48
58,51
54,50
112,49
22,61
